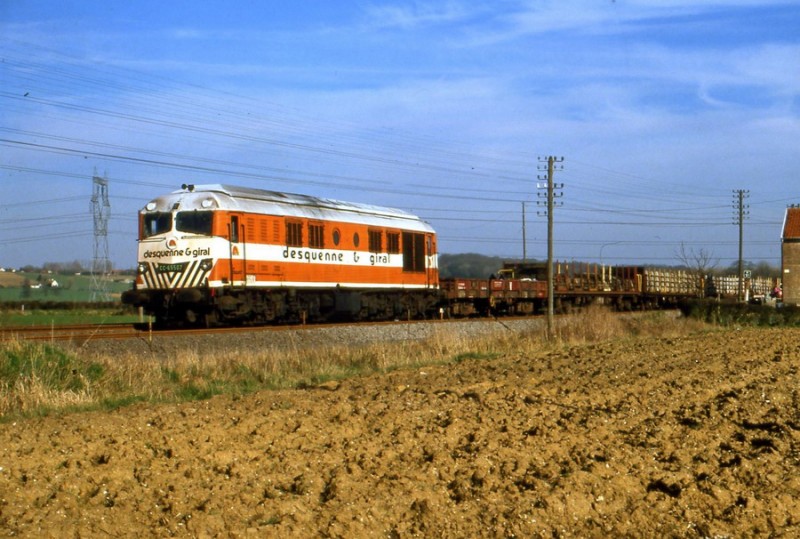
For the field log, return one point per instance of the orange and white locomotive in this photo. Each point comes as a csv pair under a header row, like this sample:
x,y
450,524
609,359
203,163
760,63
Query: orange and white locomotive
x,y
221,254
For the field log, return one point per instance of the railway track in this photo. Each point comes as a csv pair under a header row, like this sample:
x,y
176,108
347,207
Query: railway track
x,y
78,333
81,333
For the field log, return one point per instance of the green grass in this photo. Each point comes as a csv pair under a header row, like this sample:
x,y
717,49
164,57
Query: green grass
x,y
36,379
70,303
72,288
52,366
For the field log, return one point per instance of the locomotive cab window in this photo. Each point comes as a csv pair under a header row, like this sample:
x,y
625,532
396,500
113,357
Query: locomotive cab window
x,y
195,222
157,223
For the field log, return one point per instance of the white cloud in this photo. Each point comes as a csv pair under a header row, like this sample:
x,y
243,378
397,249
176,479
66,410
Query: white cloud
x,y
774,65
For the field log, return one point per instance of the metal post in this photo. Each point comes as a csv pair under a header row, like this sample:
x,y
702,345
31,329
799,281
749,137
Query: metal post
x,y
101,265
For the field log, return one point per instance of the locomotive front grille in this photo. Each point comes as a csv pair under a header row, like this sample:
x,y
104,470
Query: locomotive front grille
x,y
175,275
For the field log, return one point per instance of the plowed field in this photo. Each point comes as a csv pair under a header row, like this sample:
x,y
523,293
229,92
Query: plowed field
x,y
696,436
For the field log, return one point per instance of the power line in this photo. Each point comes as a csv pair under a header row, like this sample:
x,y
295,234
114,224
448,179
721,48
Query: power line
x,y
391,162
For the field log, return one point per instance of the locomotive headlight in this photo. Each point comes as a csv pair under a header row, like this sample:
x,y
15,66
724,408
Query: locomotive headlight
x,y
141,269
208,203
205,265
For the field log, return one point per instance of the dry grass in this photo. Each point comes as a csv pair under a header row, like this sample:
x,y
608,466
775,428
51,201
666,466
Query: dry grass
x,y
596,324
41,379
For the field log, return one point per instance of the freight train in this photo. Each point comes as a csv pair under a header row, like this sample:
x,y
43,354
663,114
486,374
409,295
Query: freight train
x,y
223,255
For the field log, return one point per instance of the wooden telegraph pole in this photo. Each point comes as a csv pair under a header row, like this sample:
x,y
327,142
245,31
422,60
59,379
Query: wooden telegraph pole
x,y
524,240
740,214
551,195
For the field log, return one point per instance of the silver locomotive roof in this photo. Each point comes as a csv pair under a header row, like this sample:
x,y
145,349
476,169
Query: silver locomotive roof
x,y
247,199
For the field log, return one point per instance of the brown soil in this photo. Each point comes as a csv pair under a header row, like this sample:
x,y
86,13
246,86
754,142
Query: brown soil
x,y
686,437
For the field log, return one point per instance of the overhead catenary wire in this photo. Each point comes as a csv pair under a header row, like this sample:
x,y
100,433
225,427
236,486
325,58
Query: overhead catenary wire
x,y
401,165
184,126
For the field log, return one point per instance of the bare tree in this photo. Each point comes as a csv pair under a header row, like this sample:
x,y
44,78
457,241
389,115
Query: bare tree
x,y
699,264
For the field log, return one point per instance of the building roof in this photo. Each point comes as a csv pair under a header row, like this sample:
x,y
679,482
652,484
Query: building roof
x,y
791,223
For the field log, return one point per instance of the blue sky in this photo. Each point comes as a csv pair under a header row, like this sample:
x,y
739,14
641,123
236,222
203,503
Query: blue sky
x,y
661,109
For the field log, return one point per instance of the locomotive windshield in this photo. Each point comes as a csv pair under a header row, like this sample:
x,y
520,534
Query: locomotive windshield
x,y
157,223
195,222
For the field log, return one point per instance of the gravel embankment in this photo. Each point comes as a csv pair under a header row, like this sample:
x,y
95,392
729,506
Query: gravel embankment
x,y
308,337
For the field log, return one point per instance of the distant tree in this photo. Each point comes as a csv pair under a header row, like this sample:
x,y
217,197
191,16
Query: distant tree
x,y
760,269
26,288
468,265
75,267
699,264
765,269
65,267
53,267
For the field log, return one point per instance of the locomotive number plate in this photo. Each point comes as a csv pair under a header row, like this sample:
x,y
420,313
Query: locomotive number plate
x,y
169,268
